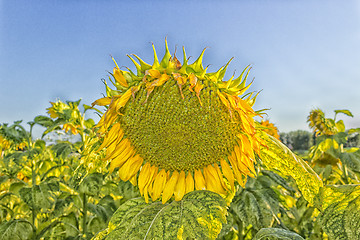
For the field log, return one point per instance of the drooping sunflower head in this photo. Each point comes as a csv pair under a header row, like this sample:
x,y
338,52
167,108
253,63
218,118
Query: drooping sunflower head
x,y
172,128
320,124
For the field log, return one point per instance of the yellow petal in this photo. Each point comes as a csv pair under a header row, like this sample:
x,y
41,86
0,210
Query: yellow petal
x,y
113,133
74,130
189,182
146,195
66,127
143,177
121,159
120,147
120,102
244,105
159,184
110,117
170,186
198,88
235,168
239,157
154,73
220,176
249,164
119,77
130,167
232,101
148,187
199,180
102,101
227,172
164,77
246,145
223,99
133,180
212,180
193,80
180,187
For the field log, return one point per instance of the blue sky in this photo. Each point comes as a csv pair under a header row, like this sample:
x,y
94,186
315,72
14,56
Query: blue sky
x,y
304,54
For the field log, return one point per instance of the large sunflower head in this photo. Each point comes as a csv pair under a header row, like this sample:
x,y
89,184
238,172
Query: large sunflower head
x,y
172,128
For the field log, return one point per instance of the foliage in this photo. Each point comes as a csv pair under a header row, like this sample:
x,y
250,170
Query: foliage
x,y
297,140
61,189
198,215
46,190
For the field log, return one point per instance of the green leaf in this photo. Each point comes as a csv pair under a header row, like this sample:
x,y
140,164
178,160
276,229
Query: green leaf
x,y
257,204
101,235
276,156
56,126
276,234
340,126
351,160
89,123
199,215
40,196
44,121
91,184
344,111
73,104
16,230
3,179
354,130
99,211
15,187
62,149
68,227
127,190
96,224
278,179
341,215
40,144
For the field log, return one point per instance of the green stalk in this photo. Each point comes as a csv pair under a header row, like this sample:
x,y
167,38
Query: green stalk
x,y
343,167
239,224
240,229
84,214
33,210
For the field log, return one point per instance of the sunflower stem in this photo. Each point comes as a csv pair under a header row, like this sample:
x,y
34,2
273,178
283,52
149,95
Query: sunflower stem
x,y
343,167
239,223
84,198
33,210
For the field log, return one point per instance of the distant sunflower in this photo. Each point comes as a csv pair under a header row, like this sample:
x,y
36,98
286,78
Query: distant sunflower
x,y
270,128
172,128
320,124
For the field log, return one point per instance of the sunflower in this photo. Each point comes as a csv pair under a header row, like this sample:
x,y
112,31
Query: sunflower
x,y
270,128
71,127
320,124
173,128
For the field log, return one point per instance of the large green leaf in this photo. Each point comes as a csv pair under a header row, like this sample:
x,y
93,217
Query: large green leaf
x,y
341,211
199,215
40,196
257,204
44,121
344,111
351,159
276,156
91,184
62,149
15,230
276,234
67,228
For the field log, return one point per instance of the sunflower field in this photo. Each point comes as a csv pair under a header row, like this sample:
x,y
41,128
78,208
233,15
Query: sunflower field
x,y
178,153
